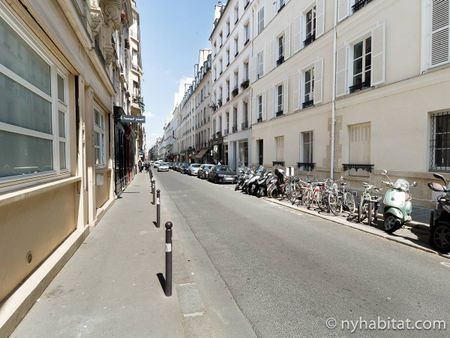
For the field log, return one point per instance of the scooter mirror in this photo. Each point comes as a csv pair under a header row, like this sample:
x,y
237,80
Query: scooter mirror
x,y
436,187
384,172
414,184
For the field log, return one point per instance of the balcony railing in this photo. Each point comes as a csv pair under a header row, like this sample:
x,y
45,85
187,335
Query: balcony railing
x,y
278,163
281,7
366,167
225,132
246,42
219,103
235,91
359,4
259,119
279,113
244,125
234,129
280,60
236,54
245,84
307,104
309,39
359,86
228,98
306,166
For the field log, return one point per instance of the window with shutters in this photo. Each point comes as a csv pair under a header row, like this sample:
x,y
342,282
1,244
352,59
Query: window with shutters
x,y
310,26
260,107
246,33
439,32
440,142
362,65
34,108
260,20
279,148
308,98
260,65
236,13
359,143
99,136
236,46
279,100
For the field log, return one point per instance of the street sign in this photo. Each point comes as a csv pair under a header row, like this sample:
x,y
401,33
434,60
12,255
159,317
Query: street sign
x,y
132,119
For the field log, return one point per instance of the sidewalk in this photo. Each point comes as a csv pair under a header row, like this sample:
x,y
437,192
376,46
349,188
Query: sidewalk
x,y
110,288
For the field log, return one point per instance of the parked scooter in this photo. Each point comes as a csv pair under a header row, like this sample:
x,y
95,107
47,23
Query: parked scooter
x,y
262,183
243,175
397,203
440,216
248,184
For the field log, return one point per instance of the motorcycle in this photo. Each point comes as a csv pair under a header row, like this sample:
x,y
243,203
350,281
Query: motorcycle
x,y
397,203
244,173
440,216
263,183
247,187
277,186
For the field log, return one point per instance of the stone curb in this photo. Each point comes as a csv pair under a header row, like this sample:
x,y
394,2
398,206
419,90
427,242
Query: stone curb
x,y
367,229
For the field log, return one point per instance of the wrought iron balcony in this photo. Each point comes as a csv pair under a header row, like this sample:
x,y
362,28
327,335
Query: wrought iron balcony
x,y
246,42
281,7
359,86
307,104
280,60
279,113
359,4
306,166
309,39
219,103
259,118
234,129
278,163
236,54
225,132
244,125
235,91
366,167
245,84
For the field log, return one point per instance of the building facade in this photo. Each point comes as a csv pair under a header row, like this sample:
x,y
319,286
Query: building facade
x,y
60,87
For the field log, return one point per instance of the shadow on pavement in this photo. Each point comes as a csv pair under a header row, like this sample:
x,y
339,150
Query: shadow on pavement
x,y
162,280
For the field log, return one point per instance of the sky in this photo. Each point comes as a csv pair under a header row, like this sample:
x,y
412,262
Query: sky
x,y
172,33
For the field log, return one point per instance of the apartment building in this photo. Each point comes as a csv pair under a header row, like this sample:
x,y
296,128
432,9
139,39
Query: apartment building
x,y
60,87
348,88
231,63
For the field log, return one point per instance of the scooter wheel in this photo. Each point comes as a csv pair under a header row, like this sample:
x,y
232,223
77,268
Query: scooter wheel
x,y
440,238
391,224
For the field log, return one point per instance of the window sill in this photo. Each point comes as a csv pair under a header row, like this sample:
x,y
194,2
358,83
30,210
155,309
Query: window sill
x,y
22,194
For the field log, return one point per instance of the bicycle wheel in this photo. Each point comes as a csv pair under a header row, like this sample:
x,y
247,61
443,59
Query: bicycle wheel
x,y
322,201
349,202
334,204
308,199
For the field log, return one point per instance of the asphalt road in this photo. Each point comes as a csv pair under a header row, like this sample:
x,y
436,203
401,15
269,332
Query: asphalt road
x,y
290,272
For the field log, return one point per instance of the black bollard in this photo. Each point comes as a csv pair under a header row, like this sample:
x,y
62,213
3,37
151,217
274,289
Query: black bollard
x,y
168,282
153,190
158,208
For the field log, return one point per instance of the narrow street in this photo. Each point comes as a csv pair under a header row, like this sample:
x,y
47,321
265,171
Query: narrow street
x,y
289,272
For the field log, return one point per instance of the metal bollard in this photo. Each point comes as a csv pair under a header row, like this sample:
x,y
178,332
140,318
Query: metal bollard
x,y
158,208
168,281
153,190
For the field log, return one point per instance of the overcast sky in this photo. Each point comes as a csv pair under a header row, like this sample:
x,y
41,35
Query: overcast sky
x,y
172,33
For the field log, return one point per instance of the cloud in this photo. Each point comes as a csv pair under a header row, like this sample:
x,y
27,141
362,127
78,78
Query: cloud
x,y
181,90
149,115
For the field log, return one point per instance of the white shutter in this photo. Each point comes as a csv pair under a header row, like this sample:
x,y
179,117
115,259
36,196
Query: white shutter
x,y
267,104
287,42
320,17
378,55
302,89
439,32
341,71
343,9
359,136
318,81
255,107
254,68
286,96
295,91
275,101
297,35
274,55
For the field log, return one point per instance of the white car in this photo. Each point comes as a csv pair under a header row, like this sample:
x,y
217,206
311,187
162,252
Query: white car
x,y
193,169
157,163
163,166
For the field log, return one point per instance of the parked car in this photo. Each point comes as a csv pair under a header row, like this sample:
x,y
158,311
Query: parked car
x,y
193,169
157,163
204,170
222,174
163,166
184,168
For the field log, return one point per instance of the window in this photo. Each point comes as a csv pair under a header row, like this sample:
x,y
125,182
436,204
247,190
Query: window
x,y
280,50
260,20
134,27
228,57
220,39
260,65
279,100
359,143
307,147
440,32
33,110
236,45
247,33
362,64
236,13
308,99
310,27
236,79
246,71
281,4
260,107
279,148
99,138
440,141
228,28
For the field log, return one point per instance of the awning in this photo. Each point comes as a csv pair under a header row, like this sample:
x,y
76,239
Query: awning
x,y
201,153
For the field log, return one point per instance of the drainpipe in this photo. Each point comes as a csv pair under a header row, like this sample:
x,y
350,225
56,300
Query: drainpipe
x,y
333,102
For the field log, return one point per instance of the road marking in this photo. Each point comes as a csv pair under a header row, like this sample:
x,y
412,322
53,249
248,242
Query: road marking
x,y
193,314
446,264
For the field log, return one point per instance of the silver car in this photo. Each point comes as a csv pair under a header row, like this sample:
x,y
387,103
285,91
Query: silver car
x,y
163,166
193,169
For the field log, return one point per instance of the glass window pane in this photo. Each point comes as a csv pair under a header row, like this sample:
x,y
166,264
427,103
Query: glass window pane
x,y
357,66
62,155
61,89
23,108
368,45
23,155
20,58
357,50
62,124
